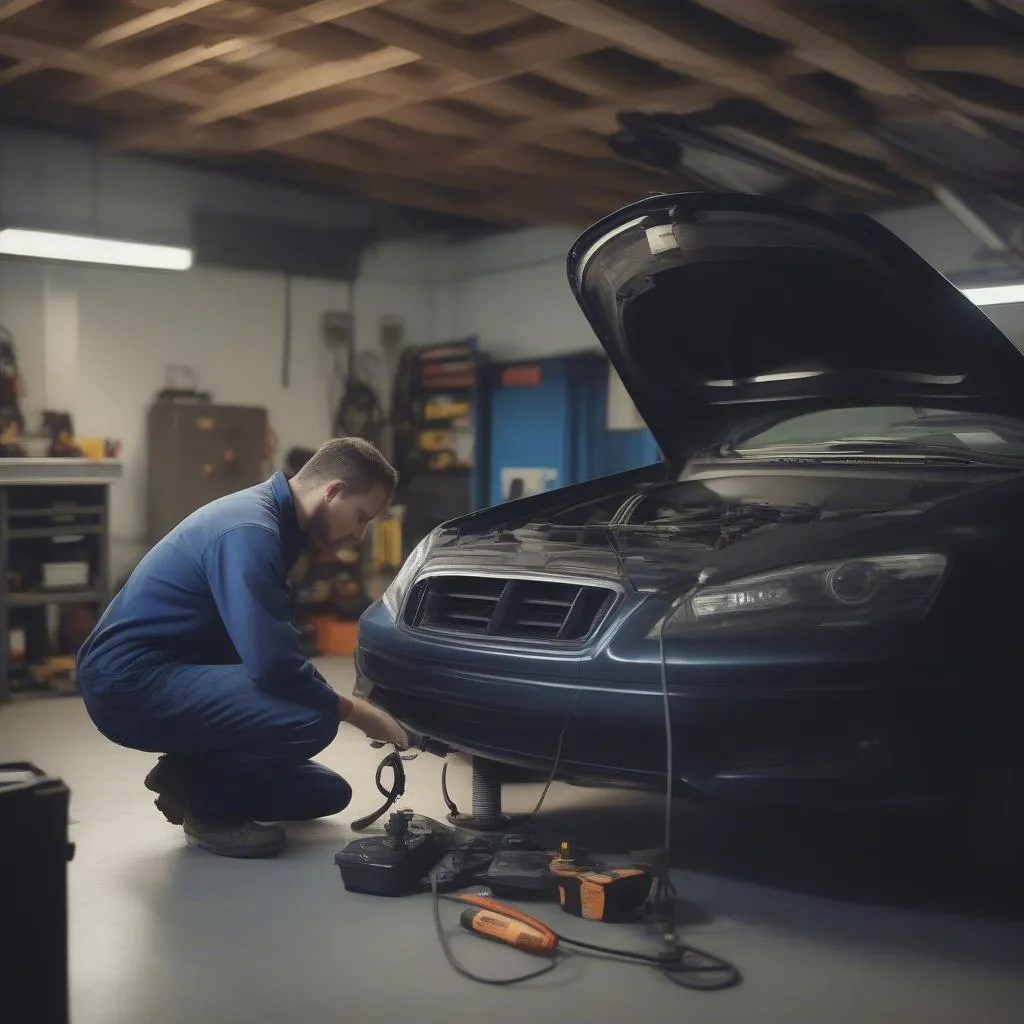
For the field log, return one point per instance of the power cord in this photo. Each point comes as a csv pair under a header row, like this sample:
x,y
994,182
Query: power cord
x,y
454,810
685,961
664,896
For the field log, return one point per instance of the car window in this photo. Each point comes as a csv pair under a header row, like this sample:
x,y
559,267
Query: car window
x,y
951,428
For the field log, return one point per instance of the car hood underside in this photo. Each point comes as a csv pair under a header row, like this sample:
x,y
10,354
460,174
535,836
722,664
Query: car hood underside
x,y
717,309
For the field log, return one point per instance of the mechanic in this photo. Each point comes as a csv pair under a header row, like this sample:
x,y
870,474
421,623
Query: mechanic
x,y
196,657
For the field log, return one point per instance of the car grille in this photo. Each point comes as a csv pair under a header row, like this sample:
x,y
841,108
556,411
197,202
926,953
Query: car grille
x,y
521,609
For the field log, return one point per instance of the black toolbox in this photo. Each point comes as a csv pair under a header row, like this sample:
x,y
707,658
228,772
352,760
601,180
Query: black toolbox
x,y
34,853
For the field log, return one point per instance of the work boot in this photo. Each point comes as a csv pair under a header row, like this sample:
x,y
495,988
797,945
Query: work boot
x,y
235,839
165,780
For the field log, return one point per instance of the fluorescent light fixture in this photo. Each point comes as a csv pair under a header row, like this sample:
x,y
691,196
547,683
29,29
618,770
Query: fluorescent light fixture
x,y
995,295
50,245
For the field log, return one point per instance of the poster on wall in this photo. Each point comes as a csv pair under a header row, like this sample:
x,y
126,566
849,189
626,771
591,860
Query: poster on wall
x,y
519,483
622,414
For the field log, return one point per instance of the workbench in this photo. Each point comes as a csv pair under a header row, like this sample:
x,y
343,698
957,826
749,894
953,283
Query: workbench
x,y
54,541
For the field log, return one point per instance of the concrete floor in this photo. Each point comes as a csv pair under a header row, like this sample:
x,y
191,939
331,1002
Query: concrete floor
x,y
827,921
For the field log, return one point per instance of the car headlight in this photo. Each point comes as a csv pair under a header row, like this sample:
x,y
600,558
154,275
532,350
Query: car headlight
x,y
853,591
397,589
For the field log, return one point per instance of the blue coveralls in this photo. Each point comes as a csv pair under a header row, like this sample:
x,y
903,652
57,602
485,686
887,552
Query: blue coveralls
x,y
196,657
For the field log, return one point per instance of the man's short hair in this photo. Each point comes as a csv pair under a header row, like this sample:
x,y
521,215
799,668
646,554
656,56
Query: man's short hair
x,y
359,463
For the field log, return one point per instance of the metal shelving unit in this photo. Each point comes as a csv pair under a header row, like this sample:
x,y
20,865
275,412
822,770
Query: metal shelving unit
x,y
44,504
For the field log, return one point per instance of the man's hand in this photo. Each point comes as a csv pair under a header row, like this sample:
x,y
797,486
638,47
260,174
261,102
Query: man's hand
x,y
374,723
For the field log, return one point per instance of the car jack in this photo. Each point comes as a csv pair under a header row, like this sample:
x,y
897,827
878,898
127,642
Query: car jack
x,y
486,815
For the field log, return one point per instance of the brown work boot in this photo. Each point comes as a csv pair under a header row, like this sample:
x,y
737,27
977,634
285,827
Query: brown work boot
x,y
235,839
166,782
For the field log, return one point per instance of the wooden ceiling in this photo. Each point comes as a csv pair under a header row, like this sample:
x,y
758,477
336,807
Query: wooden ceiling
x,y
542,111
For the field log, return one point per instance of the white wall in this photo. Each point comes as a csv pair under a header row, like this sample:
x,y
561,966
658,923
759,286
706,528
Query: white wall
x,y
98,341
511,290
229,327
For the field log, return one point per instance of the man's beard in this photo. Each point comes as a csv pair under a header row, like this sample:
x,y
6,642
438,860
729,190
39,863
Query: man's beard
x,y
317,536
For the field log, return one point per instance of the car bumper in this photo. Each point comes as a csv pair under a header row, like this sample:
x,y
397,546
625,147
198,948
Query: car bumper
x,y
878,744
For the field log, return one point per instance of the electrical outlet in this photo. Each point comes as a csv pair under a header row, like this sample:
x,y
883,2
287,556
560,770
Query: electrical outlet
x,y
392,331
339,329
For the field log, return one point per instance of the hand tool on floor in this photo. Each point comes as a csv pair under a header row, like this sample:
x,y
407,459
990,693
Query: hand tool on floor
x,y
605,894
503,923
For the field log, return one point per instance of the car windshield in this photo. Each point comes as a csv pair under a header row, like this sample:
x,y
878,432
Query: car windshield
x,y
890,428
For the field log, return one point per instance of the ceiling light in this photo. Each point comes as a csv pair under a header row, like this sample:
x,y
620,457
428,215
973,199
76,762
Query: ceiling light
x,y
50,245
995,295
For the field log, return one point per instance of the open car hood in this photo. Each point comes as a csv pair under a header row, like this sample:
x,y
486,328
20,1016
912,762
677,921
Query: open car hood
x,y
720,310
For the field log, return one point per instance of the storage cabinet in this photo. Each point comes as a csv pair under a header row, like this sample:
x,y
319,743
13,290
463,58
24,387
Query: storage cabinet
x,y
197,452
548,426
54,544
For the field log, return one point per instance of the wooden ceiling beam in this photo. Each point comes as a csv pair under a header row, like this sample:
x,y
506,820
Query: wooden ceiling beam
x,y
505,61
838,29
302,32
120,31
141,24
165,67
682,99
849,174
430,45
1005,63
598,190
439,157
278,87
12,8
521,57
267,25
20,70
22,48
837,45
852,55
680,44
376,171
589,81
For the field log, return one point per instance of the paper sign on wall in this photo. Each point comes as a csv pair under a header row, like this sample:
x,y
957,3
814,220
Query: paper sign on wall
x,y
621,413
518,483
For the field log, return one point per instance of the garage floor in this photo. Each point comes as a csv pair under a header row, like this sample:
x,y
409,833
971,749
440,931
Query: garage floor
x,y
822,918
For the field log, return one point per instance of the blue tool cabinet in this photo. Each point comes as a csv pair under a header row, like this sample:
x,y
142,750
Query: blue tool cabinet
x,y
547,427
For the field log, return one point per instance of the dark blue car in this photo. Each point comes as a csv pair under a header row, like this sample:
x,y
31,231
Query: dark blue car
x,y
821,583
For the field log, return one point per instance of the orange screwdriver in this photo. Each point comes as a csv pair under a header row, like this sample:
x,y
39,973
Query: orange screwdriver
x,y
497,921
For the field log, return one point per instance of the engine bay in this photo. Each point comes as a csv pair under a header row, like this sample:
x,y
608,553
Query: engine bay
x,y
713,510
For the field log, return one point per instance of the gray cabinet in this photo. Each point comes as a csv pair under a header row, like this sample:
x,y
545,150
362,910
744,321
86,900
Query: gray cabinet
x,y
198,452
54,538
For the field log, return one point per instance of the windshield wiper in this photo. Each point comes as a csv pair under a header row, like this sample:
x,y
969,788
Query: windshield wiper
x,y
882,446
